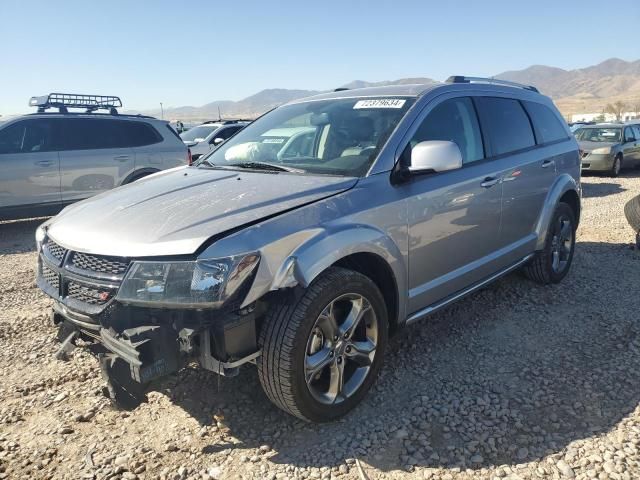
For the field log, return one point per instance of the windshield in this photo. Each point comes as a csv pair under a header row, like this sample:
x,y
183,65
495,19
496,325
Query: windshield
x,y
198,134
333,137
599,134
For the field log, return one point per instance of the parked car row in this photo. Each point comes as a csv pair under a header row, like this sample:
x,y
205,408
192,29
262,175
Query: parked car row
x,y
308,237
52,159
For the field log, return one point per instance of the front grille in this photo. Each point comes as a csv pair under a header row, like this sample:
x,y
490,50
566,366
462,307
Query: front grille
x,y
87,294
55,250
99,263
51,277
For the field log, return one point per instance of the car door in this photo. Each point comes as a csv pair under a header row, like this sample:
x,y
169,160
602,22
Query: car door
x,y
95,157
453,217
630,147
30,166
531,169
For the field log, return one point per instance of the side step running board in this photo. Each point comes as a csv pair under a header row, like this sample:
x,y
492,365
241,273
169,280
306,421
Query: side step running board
x,y
420,314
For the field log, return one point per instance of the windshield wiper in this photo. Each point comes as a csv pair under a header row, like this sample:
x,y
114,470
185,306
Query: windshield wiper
x,y
266,166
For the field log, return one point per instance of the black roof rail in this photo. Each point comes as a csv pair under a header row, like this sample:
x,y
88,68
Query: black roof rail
x,y
496,81
340,89
64,101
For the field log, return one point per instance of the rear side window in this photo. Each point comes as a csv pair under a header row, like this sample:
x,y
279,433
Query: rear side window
x,y
139,134
27,136
546,123
505,124
453,120
100,133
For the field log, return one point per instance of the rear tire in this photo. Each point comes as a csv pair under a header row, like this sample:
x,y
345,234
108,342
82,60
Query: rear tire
x,y
313,365
616,167
552,263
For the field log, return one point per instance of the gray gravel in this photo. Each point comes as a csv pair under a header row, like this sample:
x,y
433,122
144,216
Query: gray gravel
x,y
516,382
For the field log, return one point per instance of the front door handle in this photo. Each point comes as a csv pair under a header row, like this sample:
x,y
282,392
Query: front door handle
x,y
489,182
44,163
121,158
548,163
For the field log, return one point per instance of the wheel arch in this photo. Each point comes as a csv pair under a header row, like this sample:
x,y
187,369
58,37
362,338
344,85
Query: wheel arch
x,y
565,189
139,173
361,248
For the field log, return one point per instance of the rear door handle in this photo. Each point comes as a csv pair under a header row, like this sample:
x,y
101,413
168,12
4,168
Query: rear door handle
x,y
44,163
548,163
121,158
489,182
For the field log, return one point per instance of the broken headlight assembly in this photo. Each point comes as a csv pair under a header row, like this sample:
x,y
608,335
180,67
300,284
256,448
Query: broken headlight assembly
x,y
186,284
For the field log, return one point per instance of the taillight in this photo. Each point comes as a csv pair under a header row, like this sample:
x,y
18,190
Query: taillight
x,y
189,157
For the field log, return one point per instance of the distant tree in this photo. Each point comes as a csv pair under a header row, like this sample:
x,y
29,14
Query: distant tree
x,y
617,109
600,118
636,109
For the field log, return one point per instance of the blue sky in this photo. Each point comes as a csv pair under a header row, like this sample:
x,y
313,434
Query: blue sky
x,y
194,52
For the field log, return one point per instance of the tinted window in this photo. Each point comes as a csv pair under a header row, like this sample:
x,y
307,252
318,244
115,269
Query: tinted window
x,y
225,133
28,136
628,134
547,126
636,132
99,133
454,120
505,124
139,134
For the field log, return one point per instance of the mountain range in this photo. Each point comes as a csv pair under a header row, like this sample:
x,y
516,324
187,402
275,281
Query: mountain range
x,y
582,90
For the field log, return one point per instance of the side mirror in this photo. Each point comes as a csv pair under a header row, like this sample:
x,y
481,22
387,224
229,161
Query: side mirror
x,y
629,139
218,140
435,156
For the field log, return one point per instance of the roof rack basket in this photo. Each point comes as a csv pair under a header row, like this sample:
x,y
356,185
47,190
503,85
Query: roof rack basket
x,y
64,101
495,81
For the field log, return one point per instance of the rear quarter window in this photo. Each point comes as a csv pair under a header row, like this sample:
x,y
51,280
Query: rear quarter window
x,y
505,125
140,134
546,124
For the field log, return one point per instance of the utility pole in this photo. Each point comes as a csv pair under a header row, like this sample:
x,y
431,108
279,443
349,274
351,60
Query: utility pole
x,y
161,111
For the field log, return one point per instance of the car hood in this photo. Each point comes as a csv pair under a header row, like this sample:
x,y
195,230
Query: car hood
x,y
174,212
589,146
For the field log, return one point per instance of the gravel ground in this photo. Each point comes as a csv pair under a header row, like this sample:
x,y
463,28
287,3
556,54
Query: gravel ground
x,y
517,381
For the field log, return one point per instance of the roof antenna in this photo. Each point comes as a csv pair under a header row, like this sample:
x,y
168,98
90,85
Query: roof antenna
x,y
219,116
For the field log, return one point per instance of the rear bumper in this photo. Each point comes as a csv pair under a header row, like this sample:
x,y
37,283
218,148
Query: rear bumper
x,y
597,162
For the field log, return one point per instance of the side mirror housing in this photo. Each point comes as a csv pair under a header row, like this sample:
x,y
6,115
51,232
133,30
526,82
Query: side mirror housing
x,y
218,140
435,156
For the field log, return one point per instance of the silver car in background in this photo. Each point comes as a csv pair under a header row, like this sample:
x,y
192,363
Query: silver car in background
x,y
203,138
609,147
52,159
313,234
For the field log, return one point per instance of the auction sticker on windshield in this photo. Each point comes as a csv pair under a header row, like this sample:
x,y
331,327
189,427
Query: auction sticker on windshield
x,y
379,103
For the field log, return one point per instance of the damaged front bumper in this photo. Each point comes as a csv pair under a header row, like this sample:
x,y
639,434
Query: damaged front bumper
x,y
139,344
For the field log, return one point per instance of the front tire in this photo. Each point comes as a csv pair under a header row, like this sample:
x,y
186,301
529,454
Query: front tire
x,y
616,167
552,263
322,350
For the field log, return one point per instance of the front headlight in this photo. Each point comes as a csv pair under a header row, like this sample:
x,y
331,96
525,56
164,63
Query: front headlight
x,y
186,284
41,232
602,151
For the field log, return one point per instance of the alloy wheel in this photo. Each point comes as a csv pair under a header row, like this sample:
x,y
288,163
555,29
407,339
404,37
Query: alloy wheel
x,y
341,348
561,244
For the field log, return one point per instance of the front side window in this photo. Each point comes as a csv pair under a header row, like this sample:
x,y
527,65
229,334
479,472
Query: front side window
x,y
628,134
599,134
454,120
28,136
332,137
546,123
199,133
505,124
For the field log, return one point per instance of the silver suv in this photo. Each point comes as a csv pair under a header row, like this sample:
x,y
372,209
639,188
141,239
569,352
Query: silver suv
x,y
50,160
207,136
404,199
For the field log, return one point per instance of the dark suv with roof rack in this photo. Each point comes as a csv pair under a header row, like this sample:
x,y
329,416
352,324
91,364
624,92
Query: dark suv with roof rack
x,y
52,159
388,204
